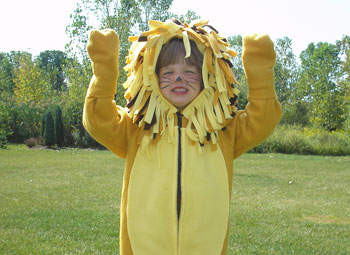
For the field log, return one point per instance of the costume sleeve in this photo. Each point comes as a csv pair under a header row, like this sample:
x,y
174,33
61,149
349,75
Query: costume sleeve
x,y
254,124
106,122
257,121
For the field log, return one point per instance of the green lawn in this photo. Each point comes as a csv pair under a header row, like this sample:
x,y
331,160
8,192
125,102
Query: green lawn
x,y
67,202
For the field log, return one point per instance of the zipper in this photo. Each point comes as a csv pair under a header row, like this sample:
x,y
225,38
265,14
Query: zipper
x,y
179,164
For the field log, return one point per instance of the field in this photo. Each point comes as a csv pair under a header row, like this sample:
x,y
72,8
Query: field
x,y
67,202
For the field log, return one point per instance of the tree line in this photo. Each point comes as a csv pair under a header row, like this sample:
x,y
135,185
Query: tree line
x,y
313,88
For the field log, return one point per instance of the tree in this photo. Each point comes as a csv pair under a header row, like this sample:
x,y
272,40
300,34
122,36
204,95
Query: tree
x,y
188,17
52,62
344,49
286,74
286,70
31,83
8,65
319,85
117,15
58,124
78,33
150,10
78,75
6,74
236,43
126,17
52,126
343,46
48,128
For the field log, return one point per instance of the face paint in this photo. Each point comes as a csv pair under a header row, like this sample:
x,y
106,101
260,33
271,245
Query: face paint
x,y
179,83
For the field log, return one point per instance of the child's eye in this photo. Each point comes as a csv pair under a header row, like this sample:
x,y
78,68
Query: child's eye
x,y
189,71
166,73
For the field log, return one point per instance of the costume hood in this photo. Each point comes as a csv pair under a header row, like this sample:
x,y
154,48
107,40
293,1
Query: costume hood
x,y
209,111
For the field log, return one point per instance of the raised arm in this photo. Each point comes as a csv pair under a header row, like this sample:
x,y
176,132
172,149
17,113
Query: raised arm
x,y
256,122
102,118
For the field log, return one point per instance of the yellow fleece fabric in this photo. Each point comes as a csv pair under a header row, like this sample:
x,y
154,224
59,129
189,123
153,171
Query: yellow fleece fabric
x,y
149,222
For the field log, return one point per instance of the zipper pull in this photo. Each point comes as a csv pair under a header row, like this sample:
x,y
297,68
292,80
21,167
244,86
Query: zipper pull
x,y
179,119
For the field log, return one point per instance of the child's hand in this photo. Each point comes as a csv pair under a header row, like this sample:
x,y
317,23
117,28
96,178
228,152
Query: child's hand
x,y
103,49
103,45
258,58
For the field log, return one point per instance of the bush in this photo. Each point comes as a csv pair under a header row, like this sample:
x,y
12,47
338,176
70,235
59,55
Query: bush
x,y
48,129
59,132
295,113
3,138
20,120
298,140
329,143
31,142
5,130
74,132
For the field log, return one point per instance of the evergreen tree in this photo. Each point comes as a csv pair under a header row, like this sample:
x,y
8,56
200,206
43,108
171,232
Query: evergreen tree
x,y
48,128
57,115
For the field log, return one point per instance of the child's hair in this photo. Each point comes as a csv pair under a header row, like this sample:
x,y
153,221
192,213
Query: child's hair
x,y
174,52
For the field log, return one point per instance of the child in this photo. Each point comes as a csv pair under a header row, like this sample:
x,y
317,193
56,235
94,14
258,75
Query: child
x,y
180,130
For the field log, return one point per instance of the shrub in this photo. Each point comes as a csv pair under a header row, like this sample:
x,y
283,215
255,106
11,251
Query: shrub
x,y
298,140
295,113
329,143
59,132
52,114
20,120
48,129
31,142
4,128
3,138
74,132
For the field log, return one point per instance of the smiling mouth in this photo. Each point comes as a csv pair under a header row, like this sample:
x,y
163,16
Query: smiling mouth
x,y
179,90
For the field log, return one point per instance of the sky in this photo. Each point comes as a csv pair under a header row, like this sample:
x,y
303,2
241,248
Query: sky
x,y
39,25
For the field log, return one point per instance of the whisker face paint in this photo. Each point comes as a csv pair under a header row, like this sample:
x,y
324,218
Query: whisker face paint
x,y
180,83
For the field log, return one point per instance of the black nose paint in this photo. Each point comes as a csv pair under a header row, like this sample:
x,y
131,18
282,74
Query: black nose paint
x,y
178,78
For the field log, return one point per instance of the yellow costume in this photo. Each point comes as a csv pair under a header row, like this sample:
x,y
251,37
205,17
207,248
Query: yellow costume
x,y
179,163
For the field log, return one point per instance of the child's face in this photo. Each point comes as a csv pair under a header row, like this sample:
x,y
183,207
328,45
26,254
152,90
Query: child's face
x,y
179,83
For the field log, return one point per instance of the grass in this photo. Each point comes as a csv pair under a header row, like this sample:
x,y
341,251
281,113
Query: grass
x,y
288,204
67,202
